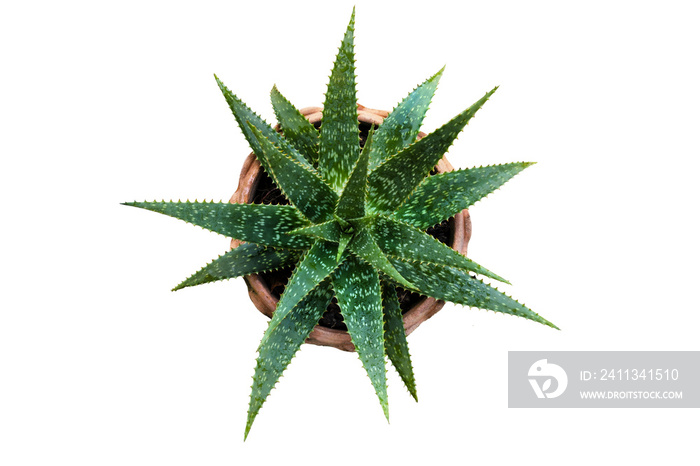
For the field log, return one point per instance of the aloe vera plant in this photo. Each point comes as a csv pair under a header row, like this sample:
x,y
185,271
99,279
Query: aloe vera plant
x,y
354,227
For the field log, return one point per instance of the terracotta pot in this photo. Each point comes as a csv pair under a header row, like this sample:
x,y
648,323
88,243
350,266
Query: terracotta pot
x,y
259,290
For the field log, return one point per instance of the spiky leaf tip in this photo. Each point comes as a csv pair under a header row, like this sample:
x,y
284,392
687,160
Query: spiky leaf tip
x,y
442,196
245,116
245,259
457,286
340,137
392,182
266,225
296,128
400,129
275,354
395,338
358,291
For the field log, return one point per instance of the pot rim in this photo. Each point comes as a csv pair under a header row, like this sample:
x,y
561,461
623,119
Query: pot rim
x,y
259,290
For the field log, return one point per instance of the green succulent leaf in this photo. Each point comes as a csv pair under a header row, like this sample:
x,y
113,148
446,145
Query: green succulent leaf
x,y
329,231
300,184
358,291
267,225
297,129
391,183
395,338
404,241
441,196
284,341
315,266
345,239
343,224
352,200
402,126
364,245
245,116
456,285
245,259
340,138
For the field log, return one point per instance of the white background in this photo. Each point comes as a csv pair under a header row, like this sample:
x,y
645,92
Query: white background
x,y
100,364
